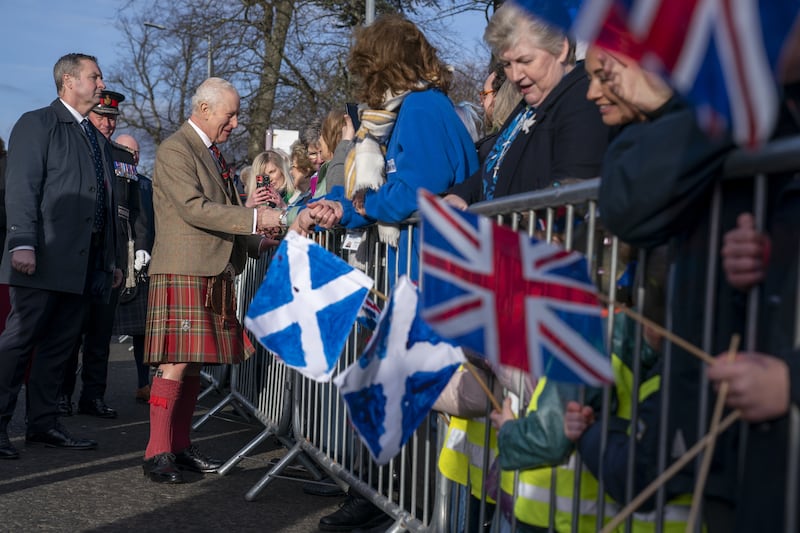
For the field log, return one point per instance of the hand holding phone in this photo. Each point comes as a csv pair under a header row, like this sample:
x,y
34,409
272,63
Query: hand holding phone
x,y
352,112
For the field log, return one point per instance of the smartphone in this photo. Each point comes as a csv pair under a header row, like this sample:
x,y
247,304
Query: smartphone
x,y
263,181
352,110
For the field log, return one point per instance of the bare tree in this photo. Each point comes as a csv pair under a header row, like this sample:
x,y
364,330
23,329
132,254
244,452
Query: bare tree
x,y
287,58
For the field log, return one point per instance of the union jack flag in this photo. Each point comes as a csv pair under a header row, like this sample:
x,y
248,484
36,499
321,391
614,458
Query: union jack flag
x,y
518,301
723,55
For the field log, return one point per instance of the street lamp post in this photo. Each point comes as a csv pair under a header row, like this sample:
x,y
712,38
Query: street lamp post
x,y
209,58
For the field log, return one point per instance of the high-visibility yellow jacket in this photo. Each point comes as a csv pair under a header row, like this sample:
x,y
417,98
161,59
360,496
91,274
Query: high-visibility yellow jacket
x,y
462,456
533,501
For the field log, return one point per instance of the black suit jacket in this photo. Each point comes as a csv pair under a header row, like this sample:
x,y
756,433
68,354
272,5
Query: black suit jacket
x,y
50,200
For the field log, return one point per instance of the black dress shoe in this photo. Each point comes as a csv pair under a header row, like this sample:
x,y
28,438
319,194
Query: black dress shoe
x,y
193,459
161,469
98,408
7,450
64,405
355,512
58,437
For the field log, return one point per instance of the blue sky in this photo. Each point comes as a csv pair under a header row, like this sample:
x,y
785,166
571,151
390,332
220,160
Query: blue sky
x,y
35,33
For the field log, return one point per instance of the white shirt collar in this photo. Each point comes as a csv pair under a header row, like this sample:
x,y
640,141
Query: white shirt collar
x,y
74,112
206,139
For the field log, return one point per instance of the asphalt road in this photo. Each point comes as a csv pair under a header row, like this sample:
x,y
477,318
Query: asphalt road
x,y
105,489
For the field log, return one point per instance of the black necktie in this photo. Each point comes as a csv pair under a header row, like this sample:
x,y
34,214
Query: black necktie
x,y
100,198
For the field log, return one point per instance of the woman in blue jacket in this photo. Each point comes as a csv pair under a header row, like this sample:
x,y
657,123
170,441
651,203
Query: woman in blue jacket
x,y
405,110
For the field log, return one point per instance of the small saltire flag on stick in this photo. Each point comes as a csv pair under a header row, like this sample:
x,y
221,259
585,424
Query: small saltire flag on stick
x,y
306,306
403,370
516,300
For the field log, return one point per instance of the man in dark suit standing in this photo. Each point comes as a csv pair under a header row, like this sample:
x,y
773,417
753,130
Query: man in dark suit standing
x,y
60,244
96,332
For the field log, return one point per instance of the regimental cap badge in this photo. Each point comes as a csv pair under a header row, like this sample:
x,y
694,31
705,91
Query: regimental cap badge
x,y
109,103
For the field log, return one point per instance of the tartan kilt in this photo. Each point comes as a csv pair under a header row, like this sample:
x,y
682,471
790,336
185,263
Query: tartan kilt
x,y
180,329
131,316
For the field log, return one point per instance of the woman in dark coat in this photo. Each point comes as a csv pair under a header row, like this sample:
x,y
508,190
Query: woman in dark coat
x,y
554,133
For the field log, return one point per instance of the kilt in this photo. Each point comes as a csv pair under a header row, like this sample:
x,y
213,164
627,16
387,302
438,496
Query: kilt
x,y
131,316
181,329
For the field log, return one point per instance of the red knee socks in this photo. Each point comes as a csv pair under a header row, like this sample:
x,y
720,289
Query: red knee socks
x,y
164,395
184,411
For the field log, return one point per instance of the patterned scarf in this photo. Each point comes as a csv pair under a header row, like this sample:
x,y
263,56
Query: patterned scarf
x,y
365,166
524,120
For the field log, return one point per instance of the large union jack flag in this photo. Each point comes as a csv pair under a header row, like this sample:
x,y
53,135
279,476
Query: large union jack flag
x,y
518,301
723,55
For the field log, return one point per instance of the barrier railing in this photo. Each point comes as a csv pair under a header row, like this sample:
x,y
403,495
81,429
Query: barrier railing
x,y
411,489
258,388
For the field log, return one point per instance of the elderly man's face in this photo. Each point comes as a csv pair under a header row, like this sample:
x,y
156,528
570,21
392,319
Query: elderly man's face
x,y
219,120
105,124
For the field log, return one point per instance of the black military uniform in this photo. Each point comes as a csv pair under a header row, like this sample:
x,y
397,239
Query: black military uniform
x,y
100,315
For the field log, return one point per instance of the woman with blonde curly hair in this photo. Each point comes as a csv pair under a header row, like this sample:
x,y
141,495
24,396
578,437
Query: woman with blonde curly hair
x,y
410,136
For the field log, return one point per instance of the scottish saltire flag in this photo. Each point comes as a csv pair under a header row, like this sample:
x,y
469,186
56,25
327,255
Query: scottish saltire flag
x,y
518,301
369,314
723,55
403,370
306,305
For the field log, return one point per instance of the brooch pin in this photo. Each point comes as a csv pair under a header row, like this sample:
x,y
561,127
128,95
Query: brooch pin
x,y
528,123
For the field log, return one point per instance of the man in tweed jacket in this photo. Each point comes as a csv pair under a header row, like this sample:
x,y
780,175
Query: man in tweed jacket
x,y
201,232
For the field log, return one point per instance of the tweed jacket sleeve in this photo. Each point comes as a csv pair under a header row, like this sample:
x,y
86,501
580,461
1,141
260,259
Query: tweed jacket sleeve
x,y
199,224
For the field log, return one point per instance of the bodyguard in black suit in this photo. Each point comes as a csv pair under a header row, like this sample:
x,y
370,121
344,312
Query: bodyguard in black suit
x,y
60,247
96,332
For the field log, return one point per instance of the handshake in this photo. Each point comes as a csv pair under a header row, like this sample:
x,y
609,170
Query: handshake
x,y
323,213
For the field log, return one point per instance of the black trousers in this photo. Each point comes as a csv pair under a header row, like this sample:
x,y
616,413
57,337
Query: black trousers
x,y
96,337
49,321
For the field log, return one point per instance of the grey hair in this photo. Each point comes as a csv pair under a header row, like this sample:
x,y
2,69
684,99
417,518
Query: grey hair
x,y
312,132
468,113
69,64
505,100
210,91
511,23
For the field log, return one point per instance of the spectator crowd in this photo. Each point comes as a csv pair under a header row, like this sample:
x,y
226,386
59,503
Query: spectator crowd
x,y
94,248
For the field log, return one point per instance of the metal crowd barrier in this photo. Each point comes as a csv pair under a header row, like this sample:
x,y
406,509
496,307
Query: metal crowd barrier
x,y
258,388
410,488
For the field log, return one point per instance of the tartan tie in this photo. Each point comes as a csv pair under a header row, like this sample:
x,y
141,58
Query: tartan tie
x,y
224,171
100,198
223,166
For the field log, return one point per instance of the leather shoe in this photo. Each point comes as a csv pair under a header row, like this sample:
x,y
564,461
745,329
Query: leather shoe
x,y
161,469
98,408
355,512
58,437
193,459
7,450
64,405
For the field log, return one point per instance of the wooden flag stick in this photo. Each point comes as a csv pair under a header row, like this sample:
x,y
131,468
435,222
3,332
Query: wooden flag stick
x,y
700,482
667,474
472,370
379,294
689,347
